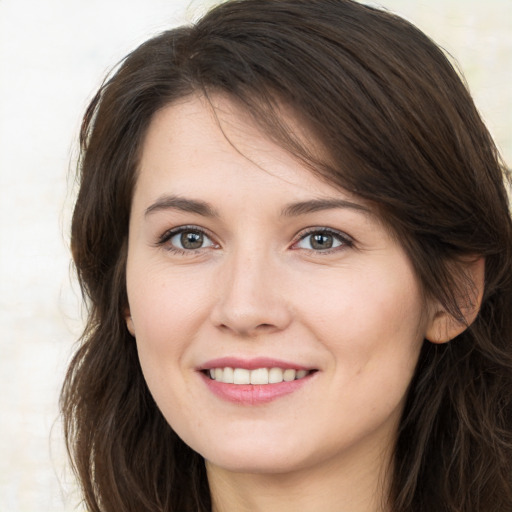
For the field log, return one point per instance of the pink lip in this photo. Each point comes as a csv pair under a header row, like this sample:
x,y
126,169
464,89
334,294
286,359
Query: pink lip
x,y
250,364
252,394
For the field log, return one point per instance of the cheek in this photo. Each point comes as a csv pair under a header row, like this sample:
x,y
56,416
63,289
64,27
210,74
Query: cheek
x,y
166,319
356,302
373,332
169,308
371,322
164,304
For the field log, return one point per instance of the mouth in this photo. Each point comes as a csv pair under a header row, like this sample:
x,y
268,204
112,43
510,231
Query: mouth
x,y
256,376
254,381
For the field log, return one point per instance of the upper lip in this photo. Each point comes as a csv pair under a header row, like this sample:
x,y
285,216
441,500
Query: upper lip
x,y
251,364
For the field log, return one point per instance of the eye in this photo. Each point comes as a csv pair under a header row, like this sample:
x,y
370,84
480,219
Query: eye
x,y
322,240
186,239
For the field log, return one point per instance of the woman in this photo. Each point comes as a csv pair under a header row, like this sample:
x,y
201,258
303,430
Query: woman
x,y
294,236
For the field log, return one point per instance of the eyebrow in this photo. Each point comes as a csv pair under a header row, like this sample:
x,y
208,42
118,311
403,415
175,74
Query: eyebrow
x,y
315,205
182,204
172,202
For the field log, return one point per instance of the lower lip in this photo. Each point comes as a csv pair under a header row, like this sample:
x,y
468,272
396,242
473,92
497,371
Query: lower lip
x,y
254,394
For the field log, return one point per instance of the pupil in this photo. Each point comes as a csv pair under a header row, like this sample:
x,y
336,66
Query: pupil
x,y
321,241
191,240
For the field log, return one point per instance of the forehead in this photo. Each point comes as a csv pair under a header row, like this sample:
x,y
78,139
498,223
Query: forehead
x,y
196,143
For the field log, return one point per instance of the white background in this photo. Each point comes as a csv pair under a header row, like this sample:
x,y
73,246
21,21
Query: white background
x,y
53,55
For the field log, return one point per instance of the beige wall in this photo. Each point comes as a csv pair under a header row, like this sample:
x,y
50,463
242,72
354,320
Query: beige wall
x,y
478,34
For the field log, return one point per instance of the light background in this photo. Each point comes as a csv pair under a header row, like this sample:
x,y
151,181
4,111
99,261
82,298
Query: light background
x,y
53,55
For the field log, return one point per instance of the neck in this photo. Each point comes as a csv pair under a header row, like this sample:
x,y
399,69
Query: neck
x,y
352,486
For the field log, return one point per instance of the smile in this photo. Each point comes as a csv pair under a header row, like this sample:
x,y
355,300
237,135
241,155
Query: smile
x,y
258,376
254,381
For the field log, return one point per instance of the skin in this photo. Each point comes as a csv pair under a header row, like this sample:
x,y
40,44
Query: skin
x,y
258,288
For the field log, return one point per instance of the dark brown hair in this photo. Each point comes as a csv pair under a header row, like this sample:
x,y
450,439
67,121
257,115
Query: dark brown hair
x,y
400,130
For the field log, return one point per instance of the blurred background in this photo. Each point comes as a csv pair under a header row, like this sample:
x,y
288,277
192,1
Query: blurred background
x,y
53,56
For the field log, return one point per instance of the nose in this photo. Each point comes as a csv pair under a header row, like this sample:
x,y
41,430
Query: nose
x,y
250,298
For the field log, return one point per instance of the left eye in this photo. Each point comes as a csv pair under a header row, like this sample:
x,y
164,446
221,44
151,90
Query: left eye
x,y
321,241
190,240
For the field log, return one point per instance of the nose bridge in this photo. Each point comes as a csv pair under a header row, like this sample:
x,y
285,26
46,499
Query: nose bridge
x,y
249,298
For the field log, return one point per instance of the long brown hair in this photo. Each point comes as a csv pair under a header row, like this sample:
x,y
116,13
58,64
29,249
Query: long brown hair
x,y
401,131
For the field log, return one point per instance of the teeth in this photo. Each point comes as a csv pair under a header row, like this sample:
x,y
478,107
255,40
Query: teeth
x,y
228,375
257,376
289,375
275,375
240,376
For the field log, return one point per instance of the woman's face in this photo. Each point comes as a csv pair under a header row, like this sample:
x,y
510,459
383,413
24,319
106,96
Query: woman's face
x,y
240,258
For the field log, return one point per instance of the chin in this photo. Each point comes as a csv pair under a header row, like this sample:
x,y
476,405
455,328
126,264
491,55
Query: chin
x,y
257,457
252,464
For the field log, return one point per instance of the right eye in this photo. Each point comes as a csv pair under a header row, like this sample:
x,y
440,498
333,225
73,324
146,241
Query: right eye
x,y
185,239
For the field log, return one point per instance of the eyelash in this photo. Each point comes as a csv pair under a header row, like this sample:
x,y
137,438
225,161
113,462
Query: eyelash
x,y
168,235
344,240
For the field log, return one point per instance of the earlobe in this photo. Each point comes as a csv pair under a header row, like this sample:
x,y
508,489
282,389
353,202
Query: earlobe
x,y
443,327
129,322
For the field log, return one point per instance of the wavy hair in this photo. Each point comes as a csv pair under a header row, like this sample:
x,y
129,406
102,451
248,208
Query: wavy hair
x,y
400,130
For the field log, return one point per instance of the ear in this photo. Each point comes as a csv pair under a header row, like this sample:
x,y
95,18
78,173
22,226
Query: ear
x,y
443,327
129,321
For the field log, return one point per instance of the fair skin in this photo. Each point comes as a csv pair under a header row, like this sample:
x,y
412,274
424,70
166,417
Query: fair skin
x,y
239,256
